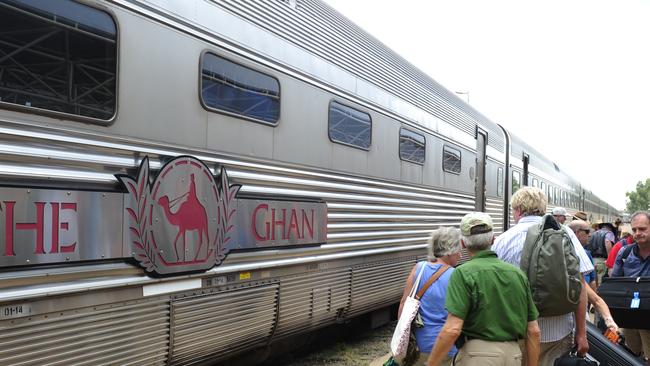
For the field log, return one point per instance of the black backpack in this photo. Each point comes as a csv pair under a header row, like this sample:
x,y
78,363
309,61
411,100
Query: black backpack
x,y
597,244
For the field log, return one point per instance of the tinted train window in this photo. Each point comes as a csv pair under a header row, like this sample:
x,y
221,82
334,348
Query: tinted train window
x,y
499,182
237,90
349,126
411,146
58,56
451,160
516,181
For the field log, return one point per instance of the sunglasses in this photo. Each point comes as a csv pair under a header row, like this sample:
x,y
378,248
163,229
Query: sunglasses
x,y
587,231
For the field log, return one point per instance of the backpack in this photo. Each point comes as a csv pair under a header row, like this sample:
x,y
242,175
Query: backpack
x,y
553,268
597,244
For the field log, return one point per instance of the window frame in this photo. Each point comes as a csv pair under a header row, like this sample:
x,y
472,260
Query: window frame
x,y
76,117
501,184
460,159
424,146
512,181
329,134
233,114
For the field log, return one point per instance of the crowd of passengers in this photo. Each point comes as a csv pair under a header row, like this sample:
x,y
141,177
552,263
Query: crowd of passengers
x,y
482,312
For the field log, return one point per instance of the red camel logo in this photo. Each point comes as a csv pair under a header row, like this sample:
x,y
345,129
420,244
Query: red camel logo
x,y
189,217
187,232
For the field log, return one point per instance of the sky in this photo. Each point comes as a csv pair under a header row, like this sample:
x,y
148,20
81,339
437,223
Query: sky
x,y
569,77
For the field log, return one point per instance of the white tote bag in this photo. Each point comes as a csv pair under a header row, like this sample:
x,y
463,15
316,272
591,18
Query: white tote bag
x,y
400,341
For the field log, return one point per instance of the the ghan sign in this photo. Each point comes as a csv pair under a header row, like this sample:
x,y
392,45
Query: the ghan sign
x,y
184,219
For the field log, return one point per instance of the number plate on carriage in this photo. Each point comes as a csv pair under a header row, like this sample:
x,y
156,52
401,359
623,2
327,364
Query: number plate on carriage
x,y
15,311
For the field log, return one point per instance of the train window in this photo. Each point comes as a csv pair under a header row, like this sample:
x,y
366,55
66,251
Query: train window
x,y
349,126
58,57
516,181
411,146
236,90
535,183
499,182
451,160
556,196
542,186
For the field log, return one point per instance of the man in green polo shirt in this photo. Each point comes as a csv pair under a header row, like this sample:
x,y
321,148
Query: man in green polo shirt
x,y
490,301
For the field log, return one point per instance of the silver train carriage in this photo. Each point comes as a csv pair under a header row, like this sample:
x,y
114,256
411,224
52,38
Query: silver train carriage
x,y
183,181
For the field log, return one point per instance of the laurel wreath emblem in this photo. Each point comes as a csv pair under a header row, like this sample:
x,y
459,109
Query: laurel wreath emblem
x,y
139,209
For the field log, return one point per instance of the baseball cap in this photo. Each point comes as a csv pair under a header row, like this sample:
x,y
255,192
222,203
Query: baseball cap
x,y
559,211
475,223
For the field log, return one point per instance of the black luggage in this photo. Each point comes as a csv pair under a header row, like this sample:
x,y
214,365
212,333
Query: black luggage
x,y
608,353
628,299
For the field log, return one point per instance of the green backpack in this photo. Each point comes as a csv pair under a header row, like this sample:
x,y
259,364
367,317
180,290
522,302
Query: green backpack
x,y
552,267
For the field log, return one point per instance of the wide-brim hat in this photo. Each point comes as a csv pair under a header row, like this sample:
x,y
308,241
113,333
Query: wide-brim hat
x,y
611,226
625,229
580,215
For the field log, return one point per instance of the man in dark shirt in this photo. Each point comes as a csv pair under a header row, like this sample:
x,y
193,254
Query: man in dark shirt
x,y
634,261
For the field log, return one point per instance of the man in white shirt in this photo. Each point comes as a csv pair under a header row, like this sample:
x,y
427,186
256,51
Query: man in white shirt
x,y
528,207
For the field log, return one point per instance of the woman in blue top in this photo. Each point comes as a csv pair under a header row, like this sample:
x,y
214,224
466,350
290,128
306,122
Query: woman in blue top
x,y
444,248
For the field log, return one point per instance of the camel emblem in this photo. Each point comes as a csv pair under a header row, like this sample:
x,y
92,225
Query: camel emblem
x,y
190,216
182,221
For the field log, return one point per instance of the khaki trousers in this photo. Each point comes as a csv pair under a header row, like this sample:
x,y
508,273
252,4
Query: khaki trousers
x,y
638,340
550,351
422,361
477,352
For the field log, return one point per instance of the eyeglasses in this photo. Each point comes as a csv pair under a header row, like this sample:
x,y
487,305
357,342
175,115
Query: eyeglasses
x,y
587,231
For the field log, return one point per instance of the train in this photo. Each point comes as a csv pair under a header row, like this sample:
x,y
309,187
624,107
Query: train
x,y
186,181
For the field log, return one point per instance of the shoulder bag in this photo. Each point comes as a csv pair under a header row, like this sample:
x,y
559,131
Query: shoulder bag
x,y
400,341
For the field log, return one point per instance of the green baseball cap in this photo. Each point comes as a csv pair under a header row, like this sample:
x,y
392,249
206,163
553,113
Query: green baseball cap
x,y
475,223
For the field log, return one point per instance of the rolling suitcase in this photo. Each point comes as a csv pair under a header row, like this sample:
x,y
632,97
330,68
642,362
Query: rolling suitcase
x,y
607,353
628,299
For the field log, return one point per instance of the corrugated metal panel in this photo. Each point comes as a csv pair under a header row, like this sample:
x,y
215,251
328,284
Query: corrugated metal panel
x,y
494,207
377,285
324,32
313,300
133,334
215,325
365,213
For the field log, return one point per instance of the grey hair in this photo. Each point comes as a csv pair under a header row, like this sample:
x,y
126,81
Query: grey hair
x,y
442,242
639,213
478,242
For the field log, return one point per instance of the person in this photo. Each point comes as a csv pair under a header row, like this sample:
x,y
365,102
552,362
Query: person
x,y
528,206
634,261
600,244
490,303
560,214
444,249
626,238
582,230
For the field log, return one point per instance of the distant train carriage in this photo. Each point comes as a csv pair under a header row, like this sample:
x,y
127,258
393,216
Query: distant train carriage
x,y
185,181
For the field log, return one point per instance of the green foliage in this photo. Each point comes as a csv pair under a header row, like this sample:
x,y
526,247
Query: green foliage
x,y
639,199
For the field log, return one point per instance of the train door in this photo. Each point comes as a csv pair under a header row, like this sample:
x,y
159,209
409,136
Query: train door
x,y
525,159
481,139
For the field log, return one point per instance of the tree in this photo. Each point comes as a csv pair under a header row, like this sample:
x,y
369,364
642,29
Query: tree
x,y
639,199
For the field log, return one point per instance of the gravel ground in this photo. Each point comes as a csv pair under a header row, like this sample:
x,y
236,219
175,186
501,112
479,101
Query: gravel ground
x,y
349,347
